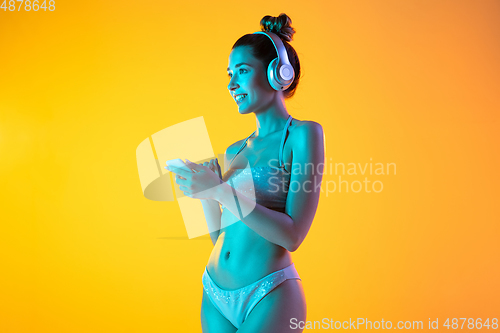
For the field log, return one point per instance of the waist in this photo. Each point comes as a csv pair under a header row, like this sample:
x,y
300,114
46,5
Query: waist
x,y
239,259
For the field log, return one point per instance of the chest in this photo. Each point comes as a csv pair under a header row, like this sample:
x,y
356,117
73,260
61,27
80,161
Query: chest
x,y
265,152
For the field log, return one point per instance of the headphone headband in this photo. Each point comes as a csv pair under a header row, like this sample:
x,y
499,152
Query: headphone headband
x,y
280,72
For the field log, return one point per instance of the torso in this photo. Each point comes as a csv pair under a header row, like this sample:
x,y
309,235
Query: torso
x,y
241,256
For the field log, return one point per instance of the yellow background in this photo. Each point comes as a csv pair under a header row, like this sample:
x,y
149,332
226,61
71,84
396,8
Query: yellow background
x,y
414,83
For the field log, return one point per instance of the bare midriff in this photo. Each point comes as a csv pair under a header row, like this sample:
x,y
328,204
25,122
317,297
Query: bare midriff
x,y
241,257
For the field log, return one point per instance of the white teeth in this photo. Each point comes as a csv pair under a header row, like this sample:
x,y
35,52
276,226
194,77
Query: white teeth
x,y
239,98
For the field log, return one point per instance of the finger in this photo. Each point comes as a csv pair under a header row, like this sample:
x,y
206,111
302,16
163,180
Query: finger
x,y
219,171
186,191
214,167
193,166
178,171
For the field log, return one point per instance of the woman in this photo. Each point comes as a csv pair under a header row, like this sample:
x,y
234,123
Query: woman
x,y
250,282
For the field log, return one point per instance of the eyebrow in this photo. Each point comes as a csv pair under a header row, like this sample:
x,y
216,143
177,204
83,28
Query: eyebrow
x,y
238,65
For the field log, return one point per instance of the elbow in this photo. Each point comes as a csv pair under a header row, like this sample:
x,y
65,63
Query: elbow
x,y
293,244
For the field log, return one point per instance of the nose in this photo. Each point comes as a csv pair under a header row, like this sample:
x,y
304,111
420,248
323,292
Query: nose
x,y
232,84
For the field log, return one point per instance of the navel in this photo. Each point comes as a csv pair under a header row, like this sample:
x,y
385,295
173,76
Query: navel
x,y
227,255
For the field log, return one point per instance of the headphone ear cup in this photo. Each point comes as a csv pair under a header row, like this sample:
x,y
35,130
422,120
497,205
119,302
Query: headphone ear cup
x,y
272,75
287,74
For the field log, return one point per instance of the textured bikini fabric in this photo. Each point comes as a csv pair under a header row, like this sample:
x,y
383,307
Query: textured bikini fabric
x,y
236,305
269,185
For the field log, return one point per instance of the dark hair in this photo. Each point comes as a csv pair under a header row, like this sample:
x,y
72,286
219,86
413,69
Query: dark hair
x,y
263,49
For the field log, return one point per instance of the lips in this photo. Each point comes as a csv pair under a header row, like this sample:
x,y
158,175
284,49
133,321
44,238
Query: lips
x,y
239,97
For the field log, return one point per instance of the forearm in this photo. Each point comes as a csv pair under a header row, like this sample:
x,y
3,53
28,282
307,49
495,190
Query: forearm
x,y
212,213
276,227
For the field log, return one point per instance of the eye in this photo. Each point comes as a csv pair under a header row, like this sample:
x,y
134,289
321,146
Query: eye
x,y
241,71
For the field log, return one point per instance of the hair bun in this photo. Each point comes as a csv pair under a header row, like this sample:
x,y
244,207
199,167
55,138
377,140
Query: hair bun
x,y
280,25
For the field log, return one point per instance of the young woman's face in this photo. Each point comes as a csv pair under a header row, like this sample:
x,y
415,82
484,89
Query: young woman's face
x,y
248,83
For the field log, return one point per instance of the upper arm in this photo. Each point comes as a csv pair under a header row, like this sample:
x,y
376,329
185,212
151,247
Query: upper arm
x,y
308,160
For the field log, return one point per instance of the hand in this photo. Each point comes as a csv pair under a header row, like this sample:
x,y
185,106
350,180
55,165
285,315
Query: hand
x,y
200,184
213,165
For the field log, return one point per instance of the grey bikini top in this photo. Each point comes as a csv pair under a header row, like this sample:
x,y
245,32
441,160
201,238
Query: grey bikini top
x,y
269,185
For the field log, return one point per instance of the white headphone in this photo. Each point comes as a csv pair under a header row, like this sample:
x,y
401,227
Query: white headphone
x,y
280,72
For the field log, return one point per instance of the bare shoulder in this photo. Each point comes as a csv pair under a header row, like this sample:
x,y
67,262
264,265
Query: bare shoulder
x,y
233,148
305,130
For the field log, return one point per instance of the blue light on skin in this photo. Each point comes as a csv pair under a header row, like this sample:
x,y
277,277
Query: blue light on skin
x,y
248,76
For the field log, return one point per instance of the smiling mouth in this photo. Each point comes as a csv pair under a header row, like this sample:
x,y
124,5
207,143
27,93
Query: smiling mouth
x,y
240,98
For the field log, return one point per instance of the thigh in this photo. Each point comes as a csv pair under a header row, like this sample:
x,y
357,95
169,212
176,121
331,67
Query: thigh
x,y
276,310
212,321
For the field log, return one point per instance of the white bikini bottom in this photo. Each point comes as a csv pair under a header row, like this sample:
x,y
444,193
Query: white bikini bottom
x,y
236,305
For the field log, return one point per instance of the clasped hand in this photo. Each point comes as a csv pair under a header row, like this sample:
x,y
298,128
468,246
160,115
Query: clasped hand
x,y
202,182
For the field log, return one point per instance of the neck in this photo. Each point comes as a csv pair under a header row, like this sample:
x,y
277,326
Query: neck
x,y
271,120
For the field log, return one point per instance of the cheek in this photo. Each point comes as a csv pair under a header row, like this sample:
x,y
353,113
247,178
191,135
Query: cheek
x,y
261,83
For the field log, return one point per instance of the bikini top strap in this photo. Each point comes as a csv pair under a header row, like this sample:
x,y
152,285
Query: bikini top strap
x,y
241,147
282,146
